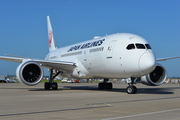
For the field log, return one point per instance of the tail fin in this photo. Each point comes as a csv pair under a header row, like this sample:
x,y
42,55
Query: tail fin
x,y
52,45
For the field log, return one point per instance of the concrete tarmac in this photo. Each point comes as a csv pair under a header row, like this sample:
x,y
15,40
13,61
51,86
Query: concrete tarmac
x,y
83,101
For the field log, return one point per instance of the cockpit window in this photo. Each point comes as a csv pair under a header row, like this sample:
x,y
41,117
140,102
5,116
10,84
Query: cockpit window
x,y
148,46
130,47
140,46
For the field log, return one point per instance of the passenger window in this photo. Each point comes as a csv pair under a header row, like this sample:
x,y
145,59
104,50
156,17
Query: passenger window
x,y
140,46
148,46
130,47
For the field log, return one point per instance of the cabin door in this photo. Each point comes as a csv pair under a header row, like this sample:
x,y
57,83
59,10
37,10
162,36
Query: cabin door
x,y
110,49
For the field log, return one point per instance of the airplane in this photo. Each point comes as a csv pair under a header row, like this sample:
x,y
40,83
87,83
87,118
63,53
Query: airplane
x,y
119,56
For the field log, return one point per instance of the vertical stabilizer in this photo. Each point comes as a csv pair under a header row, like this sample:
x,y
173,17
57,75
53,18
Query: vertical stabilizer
x,y
52,45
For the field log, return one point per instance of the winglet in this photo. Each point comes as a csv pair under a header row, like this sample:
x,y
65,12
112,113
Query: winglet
x,y
52,45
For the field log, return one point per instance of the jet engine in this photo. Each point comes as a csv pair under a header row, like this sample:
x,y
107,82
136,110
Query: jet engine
x,y
156,77
29,73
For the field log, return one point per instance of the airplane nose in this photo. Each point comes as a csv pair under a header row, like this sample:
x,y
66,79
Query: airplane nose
x,y
147,62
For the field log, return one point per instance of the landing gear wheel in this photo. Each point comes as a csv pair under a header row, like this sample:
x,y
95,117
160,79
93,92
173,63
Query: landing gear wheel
x,y
54,86
109,86
131,89
135,89
47,86
101,86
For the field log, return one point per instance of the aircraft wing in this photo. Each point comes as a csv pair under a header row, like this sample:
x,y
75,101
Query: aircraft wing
x,y
164,59
12,59
58,65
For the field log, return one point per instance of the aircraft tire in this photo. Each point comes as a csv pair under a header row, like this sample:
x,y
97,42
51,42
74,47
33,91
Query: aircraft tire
x,y
135,89
46,85
54,86
101,86
130,89
109,86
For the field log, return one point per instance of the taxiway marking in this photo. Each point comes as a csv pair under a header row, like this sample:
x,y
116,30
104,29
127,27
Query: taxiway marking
x,y
142,114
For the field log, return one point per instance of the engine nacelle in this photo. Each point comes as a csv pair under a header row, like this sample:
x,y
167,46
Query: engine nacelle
x,y
29,73
156,77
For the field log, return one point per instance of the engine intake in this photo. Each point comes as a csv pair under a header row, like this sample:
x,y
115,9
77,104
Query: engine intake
x,y
156,77
29,73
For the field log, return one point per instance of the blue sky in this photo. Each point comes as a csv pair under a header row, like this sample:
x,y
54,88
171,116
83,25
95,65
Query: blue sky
x,y
23,26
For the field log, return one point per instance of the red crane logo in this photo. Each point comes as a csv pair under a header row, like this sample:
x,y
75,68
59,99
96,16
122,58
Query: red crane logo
x,y
50,38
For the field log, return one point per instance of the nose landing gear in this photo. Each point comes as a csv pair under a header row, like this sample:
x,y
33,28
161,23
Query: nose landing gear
x,y
131,89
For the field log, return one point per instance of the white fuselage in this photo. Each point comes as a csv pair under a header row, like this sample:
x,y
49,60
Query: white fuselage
x,y
118,55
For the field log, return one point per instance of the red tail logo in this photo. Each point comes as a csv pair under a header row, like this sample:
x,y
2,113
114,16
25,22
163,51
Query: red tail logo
x,y
50,38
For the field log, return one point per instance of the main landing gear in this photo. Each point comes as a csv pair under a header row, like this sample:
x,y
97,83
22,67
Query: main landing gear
x,y
131,89
51,84
105,85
